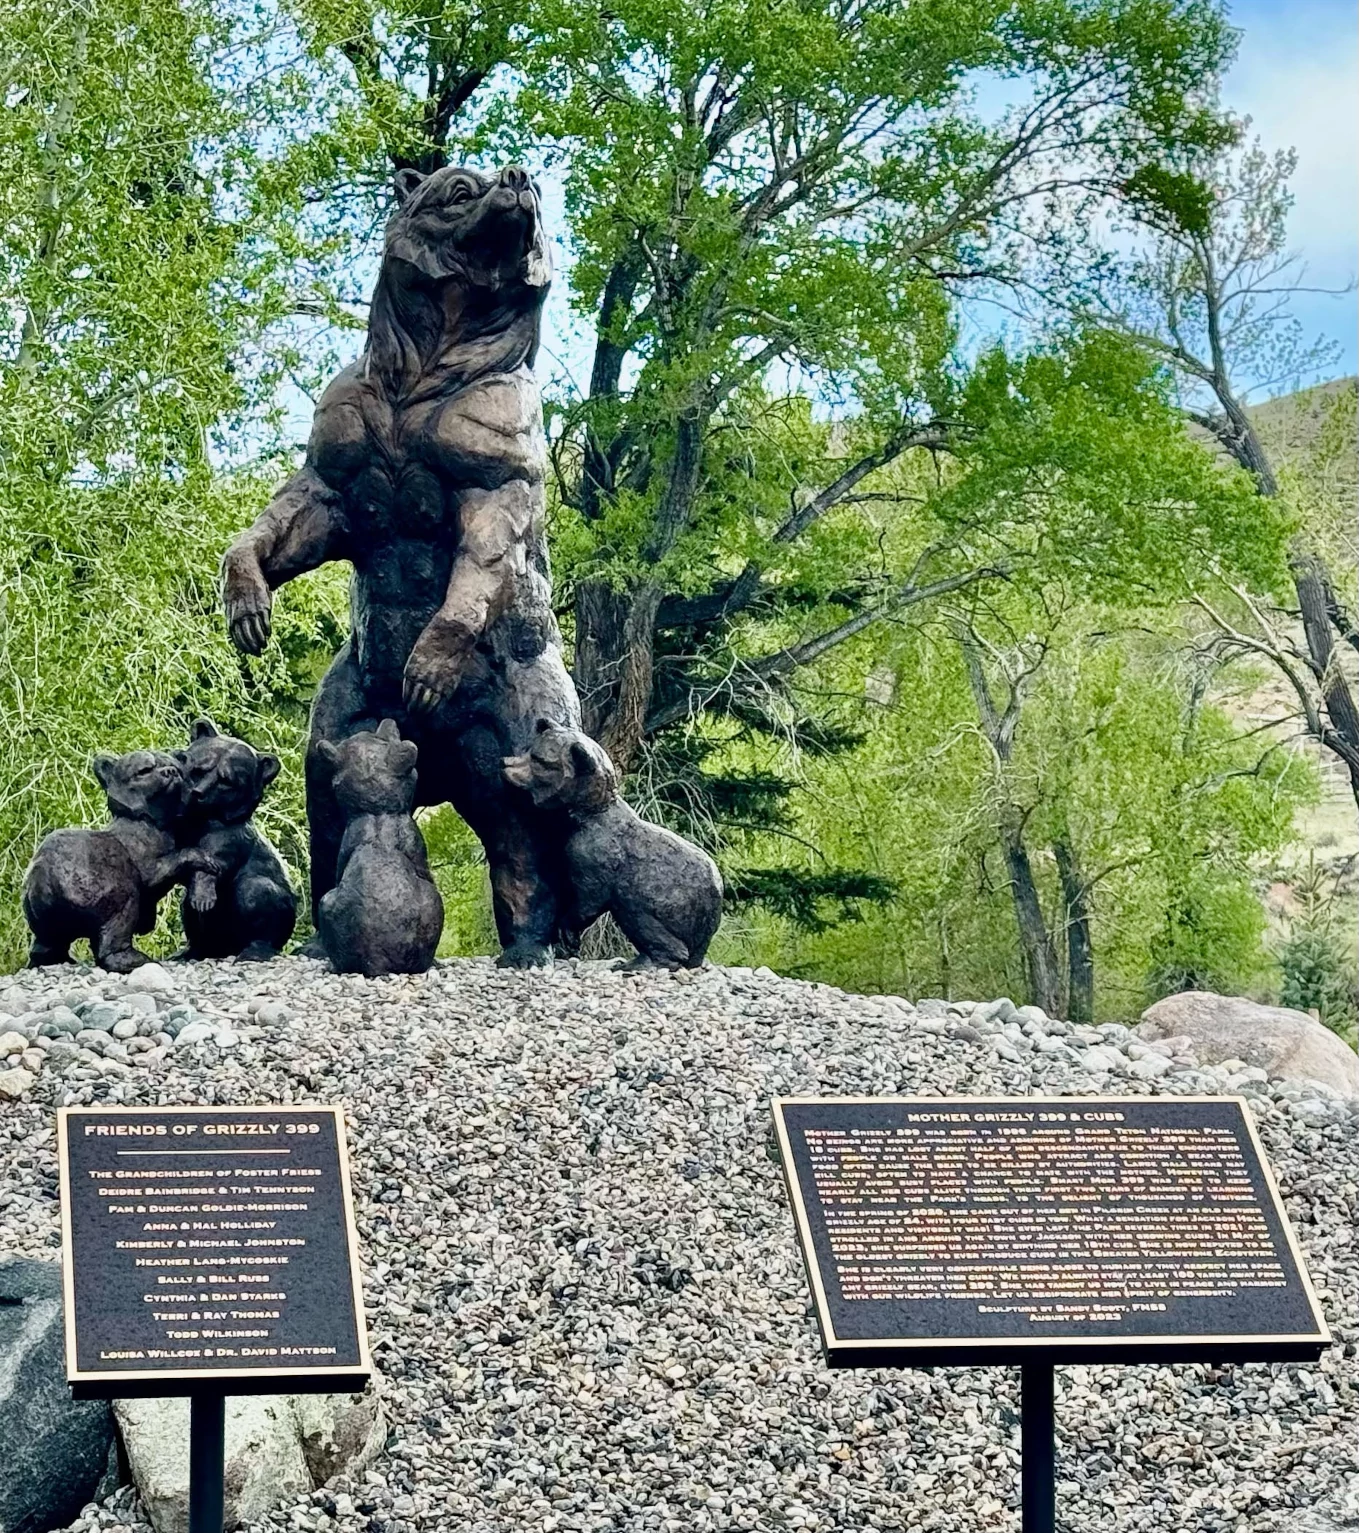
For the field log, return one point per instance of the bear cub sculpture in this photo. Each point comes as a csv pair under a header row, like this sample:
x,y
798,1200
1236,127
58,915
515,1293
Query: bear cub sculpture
x,y
104,885
249,909
665,893
384,915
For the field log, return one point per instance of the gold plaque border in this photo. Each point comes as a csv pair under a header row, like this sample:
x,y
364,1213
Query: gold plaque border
x,y
830,1341
225,1375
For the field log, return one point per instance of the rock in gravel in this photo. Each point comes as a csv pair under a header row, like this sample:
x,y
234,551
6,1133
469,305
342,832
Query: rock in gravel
x,y
278,1449
1287,1044
55,1452
586,1303
340,1434
152,979
264,1462
15,1083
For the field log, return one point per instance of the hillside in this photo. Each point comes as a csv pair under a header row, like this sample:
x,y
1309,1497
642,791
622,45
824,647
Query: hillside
x,y
1308,437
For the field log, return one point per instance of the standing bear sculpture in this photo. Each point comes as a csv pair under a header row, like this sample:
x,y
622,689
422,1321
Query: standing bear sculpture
x,y
249,909
424,472
664,893
384,915
105,885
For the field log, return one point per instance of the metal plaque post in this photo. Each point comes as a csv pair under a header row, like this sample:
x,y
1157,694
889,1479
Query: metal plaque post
x,y
1037,1449
207,1444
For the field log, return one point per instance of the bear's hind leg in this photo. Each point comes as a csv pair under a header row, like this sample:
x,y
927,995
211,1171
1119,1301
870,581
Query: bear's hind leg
x,y
264,916
113,948
42,953
657,946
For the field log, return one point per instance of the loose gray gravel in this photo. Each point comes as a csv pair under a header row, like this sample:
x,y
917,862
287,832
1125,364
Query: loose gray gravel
x,y
584,1294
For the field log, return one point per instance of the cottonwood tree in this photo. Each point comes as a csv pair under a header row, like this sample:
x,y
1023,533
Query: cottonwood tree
x,y
1210,300
771,212
800,187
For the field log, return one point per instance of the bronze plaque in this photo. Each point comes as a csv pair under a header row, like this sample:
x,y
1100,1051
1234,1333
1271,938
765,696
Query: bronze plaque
x,y
209,1247
1068,1229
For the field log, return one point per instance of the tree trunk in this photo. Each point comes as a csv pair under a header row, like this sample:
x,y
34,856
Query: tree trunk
x,y
1040,956
615,646
1080,952
1321,616
1317,603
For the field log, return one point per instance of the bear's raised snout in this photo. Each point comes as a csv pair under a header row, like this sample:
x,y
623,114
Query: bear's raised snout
x,y
515,190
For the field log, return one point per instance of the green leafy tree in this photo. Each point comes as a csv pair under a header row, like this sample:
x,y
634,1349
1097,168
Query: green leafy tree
x,y
1209,300
762,196
142,260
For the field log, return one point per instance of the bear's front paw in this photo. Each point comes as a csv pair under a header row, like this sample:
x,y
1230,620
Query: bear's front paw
x,y
202,893
435,666
248,603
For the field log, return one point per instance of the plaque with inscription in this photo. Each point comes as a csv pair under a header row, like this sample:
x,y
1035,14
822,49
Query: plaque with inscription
x,y
1072,1229
209,1248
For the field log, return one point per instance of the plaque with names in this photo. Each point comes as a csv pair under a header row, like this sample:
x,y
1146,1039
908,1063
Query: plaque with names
x,y
1067,1229
209,1248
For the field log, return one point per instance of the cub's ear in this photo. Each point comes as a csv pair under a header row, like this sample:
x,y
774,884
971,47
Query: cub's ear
x,y
203,729
266,768
583,762
405,758
387,730
328,753
405,182
105,770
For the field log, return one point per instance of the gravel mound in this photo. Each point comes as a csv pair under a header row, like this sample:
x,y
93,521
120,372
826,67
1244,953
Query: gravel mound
x,y
583,1288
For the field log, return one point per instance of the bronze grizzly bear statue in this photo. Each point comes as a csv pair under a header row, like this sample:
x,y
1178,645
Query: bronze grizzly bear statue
x,y
425,472
105,885
385,915
665,894
248,909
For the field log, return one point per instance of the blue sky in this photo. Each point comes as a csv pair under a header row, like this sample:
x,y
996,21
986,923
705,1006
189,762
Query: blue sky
x,y
1297,77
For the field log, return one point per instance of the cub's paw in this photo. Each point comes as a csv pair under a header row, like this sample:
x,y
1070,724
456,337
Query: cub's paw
x,y
525,955
202,893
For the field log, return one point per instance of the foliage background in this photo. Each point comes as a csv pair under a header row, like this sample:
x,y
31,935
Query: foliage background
x,y
190,199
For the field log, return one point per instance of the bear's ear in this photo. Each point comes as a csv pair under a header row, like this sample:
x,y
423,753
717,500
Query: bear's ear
x,y
542,726
105,770
328,753
266,768
405,182
583,762
406,757
387,730
203,729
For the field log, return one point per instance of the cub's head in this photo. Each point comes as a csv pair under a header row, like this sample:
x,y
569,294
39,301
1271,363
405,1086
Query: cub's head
x,y
145,785
226,777
564,769
478,230
374,773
